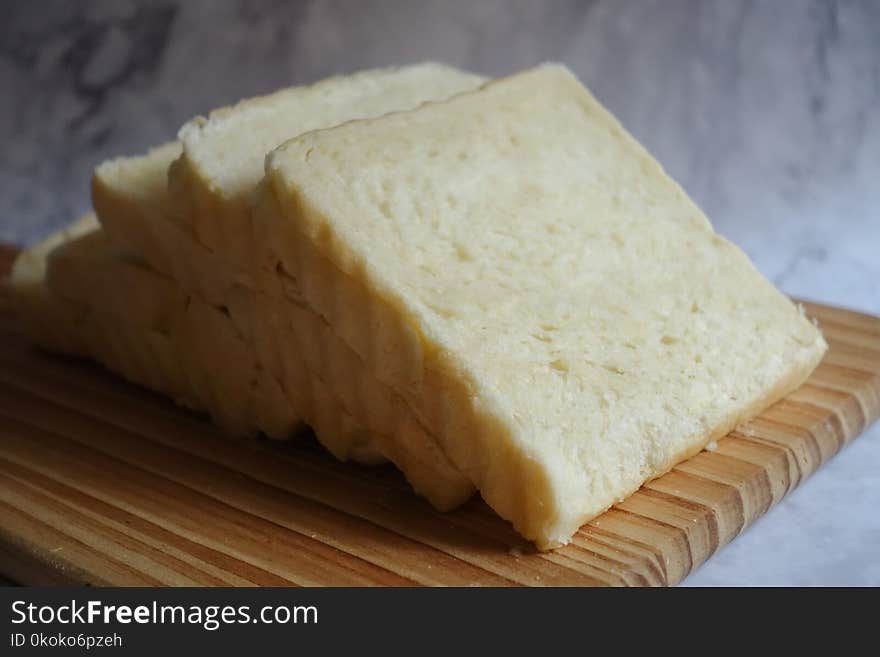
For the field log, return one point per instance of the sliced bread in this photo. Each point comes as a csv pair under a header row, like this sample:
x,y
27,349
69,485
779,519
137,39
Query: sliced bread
x,y
290,340
222,161
99,302
42,317
130,198
146,327
544,297
69,326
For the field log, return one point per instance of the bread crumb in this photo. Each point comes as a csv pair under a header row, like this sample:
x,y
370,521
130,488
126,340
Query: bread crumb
x,y
515,551
712,446
746,430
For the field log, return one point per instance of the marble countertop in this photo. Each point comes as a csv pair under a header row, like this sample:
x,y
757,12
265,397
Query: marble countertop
x,y
765,112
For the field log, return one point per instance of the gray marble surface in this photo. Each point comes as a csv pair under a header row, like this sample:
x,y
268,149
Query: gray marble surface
x,y
767,112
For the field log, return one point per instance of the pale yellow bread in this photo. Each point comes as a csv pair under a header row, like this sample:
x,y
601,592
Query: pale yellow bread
x,y
317,388
143,325
303,353
97,302
547,301
92,270
128,197
125,191
171,349
62,325
217,362
42,318
222,161
321,375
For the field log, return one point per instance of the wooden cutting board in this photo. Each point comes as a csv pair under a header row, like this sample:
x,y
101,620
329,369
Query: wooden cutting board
x,y
105,483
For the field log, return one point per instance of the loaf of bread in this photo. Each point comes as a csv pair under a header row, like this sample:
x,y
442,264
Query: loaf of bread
x,y
491,285
544,298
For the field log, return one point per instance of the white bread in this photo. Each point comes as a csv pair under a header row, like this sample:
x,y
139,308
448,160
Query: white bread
x,y
143,325
131,204
215,360
130,198
317,389
118,183
67,326
99,302
40,315
547,301
91,270
222,161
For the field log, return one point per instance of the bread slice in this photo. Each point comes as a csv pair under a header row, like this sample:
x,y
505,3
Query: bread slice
x,y
96,301
130,198
146,327
91,270
133,207
222,161
546,300
42,318
207,335
117,183
240,395
67,326
78,294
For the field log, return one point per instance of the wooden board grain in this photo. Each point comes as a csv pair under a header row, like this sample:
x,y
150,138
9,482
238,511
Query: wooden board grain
x,y
105,483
